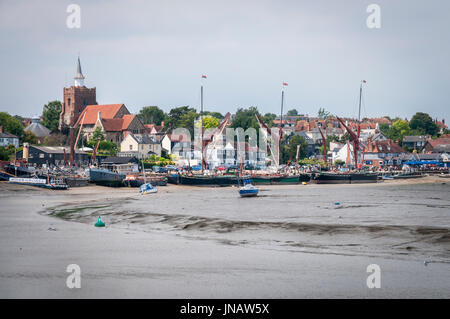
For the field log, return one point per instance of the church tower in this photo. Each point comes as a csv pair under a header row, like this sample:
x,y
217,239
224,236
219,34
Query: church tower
x,y
76,98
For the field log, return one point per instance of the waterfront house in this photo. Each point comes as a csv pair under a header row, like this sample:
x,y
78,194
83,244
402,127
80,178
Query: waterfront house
x,y
8,138
144,144
416,142
431,144
386,151
121,164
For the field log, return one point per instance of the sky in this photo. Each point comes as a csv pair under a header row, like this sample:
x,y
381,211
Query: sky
x,y
150,52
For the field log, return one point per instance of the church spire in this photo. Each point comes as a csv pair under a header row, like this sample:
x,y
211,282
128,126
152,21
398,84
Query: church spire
x,y
79,77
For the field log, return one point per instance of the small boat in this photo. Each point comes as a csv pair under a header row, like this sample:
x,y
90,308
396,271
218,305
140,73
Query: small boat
x,y
409,175
444,175
387,177
248,190
147,188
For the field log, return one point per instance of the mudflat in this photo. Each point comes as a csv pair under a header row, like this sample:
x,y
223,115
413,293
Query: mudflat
x,y
185,242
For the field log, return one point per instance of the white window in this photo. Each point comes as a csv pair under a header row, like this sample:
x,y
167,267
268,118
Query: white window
x,y
131,147
41,155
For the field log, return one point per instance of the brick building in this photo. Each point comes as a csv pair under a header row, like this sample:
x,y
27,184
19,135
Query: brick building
x,y
76,98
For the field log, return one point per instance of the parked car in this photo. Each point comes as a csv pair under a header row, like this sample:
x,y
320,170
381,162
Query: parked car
x,y
159,169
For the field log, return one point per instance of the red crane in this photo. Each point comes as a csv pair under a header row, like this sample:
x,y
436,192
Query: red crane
x,y
355,139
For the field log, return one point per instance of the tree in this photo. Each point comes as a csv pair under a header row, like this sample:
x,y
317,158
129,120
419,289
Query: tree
x,y
97,135
214,114
289,150
151,115
29,137
292,112
210,122
182,116
384,128
50,115
322,114
424,124
246,118
399,129
268,119
57,139
11,124
6,152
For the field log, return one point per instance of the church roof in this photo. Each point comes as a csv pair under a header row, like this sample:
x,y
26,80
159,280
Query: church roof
x,y
117,124
127,119
112,125
108,111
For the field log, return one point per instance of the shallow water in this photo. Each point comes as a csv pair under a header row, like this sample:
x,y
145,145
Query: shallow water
x,y
390,221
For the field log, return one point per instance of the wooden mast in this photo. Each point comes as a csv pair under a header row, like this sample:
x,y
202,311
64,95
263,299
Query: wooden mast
x,y
201,127
353,136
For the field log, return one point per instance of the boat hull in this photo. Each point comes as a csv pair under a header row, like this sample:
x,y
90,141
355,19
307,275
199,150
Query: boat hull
x,y
363,178
354,178
248,193
105,178
326,178
207,180
231,180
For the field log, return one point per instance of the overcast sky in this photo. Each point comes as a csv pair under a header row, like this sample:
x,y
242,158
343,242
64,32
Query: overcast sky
x,y
154,53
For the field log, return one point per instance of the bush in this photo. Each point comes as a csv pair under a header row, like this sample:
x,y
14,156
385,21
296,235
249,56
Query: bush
x,y
6,152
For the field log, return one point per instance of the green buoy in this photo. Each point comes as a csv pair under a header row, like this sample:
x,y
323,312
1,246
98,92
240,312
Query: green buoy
x,y
99,222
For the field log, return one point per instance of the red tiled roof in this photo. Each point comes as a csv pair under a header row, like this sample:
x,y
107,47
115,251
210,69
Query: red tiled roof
x,y
439,141
149,127
127,119
108,111
386,146
441,124
112,125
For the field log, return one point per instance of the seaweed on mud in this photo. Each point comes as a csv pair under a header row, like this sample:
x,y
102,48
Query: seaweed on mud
x,y
67,213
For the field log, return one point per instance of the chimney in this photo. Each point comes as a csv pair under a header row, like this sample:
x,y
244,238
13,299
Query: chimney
x,y
99,116
443,121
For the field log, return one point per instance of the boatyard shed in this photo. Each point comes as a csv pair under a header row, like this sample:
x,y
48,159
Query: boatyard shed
x,y
52,155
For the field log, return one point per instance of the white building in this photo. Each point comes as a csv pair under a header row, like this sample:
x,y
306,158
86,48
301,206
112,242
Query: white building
x,y
144,145
8,139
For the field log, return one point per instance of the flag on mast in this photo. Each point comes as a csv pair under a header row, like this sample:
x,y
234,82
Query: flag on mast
x,y
285,84
203,76
364,81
